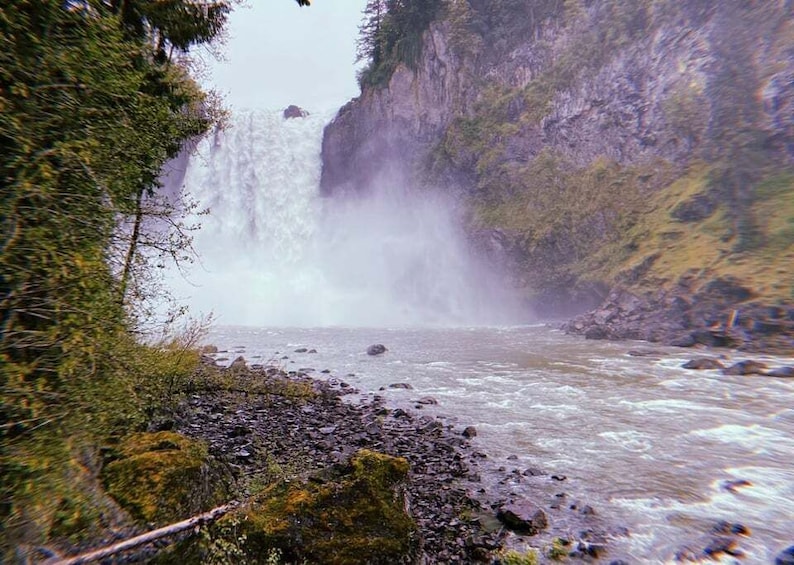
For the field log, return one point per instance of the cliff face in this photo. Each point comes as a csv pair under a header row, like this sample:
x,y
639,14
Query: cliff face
x,y
645,146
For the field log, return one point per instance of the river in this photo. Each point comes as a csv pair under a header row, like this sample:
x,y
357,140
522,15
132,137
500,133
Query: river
x,y
650,445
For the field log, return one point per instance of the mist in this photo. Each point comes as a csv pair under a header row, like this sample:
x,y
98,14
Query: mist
x,y
273,252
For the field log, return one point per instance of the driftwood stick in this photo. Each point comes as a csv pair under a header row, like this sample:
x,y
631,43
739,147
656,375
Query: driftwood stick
x,y
199,520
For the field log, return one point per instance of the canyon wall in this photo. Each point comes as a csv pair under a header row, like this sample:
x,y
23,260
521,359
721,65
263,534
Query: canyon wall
x,y
628,156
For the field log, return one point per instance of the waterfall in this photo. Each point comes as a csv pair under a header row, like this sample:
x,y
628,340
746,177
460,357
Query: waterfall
x,y
274,253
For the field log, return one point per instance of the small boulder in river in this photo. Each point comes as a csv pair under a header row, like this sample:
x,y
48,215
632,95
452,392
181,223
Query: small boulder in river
x,y
376,349
238,363
703,363
523,518
470,432
782,372
406,386
746,368
785,557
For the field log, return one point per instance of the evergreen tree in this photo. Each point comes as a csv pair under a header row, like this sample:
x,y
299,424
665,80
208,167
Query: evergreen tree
x,y
369,46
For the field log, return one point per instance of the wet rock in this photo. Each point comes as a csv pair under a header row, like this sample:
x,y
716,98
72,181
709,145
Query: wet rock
x,y
785,557
746,368
238,363
208,349
646,353
595,332
719,546
533,472
683,341
312,351
727,528
292,111
703,363
406,386
734,485
782,372
523,518
301,350
470,432
428,400
709,337
559,477
376,349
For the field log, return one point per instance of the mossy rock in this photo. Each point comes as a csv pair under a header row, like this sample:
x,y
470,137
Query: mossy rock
x,y
162,477
356,516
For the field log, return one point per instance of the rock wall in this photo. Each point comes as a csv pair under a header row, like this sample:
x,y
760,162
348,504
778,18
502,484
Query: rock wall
x,y
589,138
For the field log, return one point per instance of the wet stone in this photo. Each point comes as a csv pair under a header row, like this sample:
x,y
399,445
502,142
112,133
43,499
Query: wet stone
x,y
703,364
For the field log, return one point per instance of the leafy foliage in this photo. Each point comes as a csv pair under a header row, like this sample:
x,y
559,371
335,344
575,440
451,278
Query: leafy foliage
x,y
93,101
391,33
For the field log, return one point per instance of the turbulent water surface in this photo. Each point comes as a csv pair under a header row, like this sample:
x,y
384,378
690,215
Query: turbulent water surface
x,y
647,443
650,445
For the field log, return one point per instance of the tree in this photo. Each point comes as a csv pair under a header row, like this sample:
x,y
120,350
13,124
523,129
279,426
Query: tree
x,y
369,46
391,33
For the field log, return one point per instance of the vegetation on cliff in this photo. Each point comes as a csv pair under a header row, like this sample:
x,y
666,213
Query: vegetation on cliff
x,y
595,138
390,34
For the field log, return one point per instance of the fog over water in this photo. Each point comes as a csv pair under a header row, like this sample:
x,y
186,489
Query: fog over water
x,y
274,253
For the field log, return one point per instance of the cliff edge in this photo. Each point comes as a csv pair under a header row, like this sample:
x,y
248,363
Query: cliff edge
x,y
637,157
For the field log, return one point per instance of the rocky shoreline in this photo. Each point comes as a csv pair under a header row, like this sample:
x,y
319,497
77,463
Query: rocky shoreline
x,y
721,314
274,426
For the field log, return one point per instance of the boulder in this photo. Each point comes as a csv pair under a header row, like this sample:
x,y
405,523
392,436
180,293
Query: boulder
x,y
293,111
405,386
683,341
376,349
785,557
427,400
238,363
523,518
470,432
746,368
646,353
595,332
353,513
703,363
161,477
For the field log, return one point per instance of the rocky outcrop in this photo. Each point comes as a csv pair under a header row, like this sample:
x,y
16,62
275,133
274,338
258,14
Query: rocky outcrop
x,y
719,314
293,111
600,145
395,126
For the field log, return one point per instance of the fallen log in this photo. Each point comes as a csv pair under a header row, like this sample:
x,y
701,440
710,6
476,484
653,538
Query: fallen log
x,y
165,531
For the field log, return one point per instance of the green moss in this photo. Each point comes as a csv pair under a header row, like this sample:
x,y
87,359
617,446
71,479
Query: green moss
x,y
160,477
559,549
357,516
512,557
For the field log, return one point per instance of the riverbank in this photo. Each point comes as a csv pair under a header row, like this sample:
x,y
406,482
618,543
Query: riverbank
x,y
271,427
721,314
318,472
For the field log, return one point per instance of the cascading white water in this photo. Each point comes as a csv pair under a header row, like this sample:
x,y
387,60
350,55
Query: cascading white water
x,y
274,253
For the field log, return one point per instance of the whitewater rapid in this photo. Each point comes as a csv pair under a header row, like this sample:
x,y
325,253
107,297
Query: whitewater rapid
x,y
650,445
